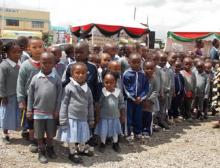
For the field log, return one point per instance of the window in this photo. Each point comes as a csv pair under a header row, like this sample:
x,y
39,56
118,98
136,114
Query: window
x,y
37,24
11,22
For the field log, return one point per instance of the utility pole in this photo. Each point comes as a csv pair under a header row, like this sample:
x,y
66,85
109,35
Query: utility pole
x,y
134,13
3,15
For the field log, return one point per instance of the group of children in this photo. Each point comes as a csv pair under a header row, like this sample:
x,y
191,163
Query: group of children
x,y
108,92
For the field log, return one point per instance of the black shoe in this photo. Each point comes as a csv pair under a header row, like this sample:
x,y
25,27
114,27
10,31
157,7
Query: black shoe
x,y
75,158
116,147
6,140
93,141
102,148
50,152
163,125
25,134
42,156
33,148
205,117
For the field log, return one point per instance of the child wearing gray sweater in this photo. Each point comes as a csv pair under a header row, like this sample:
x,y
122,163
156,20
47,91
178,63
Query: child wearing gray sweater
x,y
77,114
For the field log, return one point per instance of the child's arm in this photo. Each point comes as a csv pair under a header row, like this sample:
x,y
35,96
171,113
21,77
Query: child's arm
x,y
63,115
21,92
145,89
129,90
3,76
121,106
154,95
90,110
207,87
30,102
58,100
66,75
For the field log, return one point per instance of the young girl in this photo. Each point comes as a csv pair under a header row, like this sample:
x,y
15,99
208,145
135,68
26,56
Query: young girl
x,y
9,68
77,114
111,109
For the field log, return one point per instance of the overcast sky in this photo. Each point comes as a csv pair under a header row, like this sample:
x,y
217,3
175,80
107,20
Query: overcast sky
x,y
163,15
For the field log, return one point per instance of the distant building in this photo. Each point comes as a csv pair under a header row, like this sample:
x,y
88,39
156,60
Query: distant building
x,y
19,22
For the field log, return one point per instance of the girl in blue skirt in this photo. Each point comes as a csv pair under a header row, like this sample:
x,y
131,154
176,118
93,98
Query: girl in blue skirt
x,y
9,68
111,110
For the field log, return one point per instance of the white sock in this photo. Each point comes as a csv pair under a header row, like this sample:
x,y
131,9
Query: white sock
x,y
72,148
115,139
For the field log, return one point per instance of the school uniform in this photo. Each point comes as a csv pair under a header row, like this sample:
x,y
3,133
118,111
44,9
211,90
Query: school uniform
x,y
75,113
179,95
92,78
202,90
135,85
60,68
42,89
28,69
110,105
149,108
124,64
190,90
24,56
9,113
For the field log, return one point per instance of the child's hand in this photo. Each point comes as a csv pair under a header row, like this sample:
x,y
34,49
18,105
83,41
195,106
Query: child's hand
x,y
138,100
29,115
22,105
55,115
4,100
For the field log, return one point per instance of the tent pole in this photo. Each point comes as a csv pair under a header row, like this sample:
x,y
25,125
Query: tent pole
x,y
92,36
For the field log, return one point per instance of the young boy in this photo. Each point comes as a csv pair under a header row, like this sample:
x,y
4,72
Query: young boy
x,y
115,67
27,70
23,43
179,93
202,90
60,66
189,87
111,50
69,51
45,86
136,89
148,106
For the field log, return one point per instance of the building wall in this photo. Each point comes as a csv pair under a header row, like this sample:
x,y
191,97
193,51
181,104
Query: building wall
x,y
25,17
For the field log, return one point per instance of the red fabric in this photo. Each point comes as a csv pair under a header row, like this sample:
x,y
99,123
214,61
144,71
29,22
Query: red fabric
x,y
191,34
75,29
86,27
109,28
135,31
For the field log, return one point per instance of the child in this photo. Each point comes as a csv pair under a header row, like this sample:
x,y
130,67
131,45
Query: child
x,y
189,88
76,112
28,69
177,99
112,108
9,68
136,89
202,90
45,86
69,51
23,43
166,89
60,66
111,50
115,67
148,105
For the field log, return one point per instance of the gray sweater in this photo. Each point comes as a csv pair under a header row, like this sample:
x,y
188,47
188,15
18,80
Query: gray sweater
x,y
8,79
111,105
76,104
26,73
202,84
189,82
44,94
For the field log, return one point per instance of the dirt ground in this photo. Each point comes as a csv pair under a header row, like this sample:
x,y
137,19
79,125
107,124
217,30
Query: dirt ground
x,y
185,145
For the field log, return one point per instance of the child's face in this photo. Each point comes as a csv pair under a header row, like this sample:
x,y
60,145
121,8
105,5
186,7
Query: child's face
x,y
14,53
36,48
105,59
200,68
172,59
47,64
177,67
208,68
187,64
114,67
109,82
149,69
57,53
144,52
79,74
163,61
135,63
81,54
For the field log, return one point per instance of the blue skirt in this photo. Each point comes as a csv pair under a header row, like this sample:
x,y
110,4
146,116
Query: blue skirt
x,y
76,132
10,115
108,128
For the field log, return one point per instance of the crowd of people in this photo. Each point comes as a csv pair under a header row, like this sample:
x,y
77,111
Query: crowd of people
x,y
101,94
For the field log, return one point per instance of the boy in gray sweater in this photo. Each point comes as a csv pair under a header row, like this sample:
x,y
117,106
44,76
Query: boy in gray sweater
x,y
45,86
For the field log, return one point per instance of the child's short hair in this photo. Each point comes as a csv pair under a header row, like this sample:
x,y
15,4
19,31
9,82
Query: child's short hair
x,y
22,42
68,49
108,72
8,46
78,64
